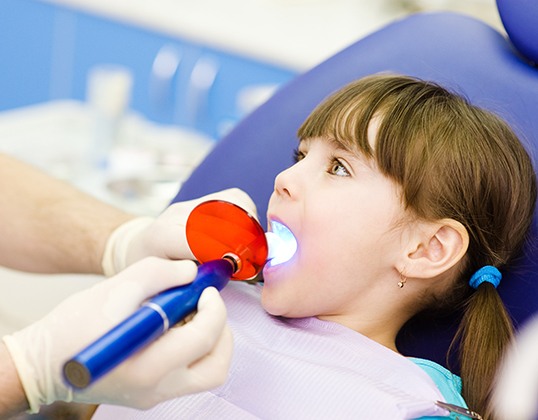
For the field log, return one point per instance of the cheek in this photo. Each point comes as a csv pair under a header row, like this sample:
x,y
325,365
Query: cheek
x,y
337,245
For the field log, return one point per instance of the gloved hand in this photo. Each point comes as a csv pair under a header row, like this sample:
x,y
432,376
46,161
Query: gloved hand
x,y
186,359
514,395
161,237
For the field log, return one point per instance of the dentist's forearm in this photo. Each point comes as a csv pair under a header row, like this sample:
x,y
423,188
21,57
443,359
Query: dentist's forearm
x,y
47,225
12,397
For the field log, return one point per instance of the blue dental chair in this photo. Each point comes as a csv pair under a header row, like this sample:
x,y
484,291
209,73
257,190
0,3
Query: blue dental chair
x,y
457,51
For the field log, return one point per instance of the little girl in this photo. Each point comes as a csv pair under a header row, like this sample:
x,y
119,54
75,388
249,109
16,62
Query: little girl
x,y
404,198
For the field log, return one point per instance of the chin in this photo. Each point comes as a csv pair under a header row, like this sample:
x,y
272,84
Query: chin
x,y
270,304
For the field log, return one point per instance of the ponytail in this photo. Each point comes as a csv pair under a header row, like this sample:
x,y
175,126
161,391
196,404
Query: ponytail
x,y
483,335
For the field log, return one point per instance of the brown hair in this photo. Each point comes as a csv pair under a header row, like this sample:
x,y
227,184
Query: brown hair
x,y
452,160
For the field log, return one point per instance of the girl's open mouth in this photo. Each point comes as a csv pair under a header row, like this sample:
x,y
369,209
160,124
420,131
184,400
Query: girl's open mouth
x,y
282,244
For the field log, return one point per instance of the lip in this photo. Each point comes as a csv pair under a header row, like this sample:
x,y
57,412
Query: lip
x,y
272,218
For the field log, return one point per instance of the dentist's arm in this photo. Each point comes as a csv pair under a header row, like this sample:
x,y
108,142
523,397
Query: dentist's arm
x,y
48,226
12,397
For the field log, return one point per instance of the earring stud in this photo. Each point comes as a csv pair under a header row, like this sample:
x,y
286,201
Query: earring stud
x,y
402,281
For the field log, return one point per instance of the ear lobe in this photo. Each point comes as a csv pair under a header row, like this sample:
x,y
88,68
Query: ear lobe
x,y
443,244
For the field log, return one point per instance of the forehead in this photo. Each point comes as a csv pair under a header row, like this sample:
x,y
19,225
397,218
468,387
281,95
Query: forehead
x,y
330,141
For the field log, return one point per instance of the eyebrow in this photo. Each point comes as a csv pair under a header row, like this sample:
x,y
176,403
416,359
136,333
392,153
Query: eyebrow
x,y
333,142
339,146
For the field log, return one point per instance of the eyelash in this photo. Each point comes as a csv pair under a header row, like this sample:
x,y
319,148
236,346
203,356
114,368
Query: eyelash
x,y
298,156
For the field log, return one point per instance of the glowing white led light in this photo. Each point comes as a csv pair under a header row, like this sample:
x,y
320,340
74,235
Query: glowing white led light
x,y
282,244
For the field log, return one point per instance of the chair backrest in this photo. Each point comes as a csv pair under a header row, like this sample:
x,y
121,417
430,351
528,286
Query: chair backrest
x,y
457,51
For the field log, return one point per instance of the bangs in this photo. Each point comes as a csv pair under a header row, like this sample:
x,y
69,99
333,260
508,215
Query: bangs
x,y
344,117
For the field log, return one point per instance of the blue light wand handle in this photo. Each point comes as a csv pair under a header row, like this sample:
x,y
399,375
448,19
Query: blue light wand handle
x,y
144,326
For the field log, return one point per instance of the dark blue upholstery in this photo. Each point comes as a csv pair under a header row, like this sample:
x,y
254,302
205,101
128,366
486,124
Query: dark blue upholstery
x,y
520,19
456,51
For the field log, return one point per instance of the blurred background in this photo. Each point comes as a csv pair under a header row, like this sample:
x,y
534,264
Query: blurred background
x,y
124,98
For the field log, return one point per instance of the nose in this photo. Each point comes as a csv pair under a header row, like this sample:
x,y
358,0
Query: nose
x,y
285,183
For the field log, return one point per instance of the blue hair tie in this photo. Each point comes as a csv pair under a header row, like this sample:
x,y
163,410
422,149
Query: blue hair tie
x,y
487,273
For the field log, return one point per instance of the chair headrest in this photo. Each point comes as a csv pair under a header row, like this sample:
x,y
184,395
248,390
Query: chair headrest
x,y
520,19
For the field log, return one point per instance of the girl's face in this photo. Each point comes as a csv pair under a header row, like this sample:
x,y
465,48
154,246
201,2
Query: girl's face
x,y
344,214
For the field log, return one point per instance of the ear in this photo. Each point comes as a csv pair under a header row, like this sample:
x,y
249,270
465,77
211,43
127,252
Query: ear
x,y
437,247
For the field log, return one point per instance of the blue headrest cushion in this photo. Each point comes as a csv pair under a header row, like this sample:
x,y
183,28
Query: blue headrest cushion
x,y
520,19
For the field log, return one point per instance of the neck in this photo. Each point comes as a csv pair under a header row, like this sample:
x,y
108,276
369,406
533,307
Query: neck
x,y
381,330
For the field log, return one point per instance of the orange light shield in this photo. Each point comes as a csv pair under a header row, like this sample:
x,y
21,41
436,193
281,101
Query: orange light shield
x,y
218,228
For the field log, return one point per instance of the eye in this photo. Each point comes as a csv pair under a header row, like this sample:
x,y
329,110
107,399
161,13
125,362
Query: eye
x,y
338,168
298,155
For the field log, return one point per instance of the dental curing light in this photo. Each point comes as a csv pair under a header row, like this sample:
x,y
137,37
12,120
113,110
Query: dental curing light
x,y
227,241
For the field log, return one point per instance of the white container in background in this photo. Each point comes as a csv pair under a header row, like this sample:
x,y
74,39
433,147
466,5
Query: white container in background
x,y
108,94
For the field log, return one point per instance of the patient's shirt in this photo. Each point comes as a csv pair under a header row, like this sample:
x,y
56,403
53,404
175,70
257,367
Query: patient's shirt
x,y
300,369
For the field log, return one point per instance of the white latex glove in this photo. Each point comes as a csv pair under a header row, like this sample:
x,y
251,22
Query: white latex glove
x,y
514,396
186,359
164,236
